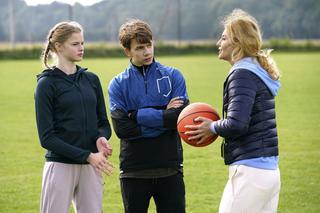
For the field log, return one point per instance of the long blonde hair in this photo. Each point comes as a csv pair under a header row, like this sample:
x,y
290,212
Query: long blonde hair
x,y
245,35
58,34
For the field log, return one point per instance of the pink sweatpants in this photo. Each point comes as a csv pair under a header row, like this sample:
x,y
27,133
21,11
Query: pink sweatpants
x,y
65,183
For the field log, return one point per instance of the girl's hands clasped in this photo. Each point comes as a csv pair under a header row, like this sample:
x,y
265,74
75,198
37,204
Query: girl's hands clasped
x,y
99,160
100,163
104,146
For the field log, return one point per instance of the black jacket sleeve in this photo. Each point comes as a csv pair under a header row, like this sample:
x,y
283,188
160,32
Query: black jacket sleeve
x,y
170,116
123,126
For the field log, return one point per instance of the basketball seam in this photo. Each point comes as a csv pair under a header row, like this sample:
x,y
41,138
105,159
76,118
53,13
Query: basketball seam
x,y
198,112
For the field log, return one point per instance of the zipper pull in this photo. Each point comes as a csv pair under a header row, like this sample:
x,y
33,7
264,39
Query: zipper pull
x,y
222,148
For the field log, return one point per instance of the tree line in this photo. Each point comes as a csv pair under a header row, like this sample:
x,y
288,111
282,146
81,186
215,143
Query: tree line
x,y
181,20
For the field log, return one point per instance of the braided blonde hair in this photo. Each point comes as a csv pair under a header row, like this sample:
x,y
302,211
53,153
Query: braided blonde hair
x,y
245,35
58,34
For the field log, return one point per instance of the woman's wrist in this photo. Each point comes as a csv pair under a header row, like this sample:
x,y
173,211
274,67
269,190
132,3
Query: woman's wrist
x,y
212,128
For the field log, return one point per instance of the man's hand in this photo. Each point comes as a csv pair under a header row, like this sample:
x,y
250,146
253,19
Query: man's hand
x,y
175,102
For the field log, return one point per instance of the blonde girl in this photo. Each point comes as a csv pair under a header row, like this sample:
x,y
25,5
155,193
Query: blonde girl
x,y
72,125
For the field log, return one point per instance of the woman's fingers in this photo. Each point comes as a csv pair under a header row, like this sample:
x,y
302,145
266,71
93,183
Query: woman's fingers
x,y
203,139
191,127
195,137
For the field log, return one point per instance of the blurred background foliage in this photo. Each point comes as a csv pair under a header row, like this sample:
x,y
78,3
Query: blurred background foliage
x,y
180,26
178,20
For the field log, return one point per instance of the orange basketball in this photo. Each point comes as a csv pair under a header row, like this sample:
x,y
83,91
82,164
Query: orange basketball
x,y
187,116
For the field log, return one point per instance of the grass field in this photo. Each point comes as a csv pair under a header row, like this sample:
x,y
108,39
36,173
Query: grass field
x,y
298,118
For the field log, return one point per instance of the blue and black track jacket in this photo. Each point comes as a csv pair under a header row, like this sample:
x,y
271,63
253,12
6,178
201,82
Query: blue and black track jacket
x,y
71,115
149,139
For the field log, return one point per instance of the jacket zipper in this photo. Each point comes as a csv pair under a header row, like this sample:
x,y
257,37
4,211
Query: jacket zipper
x,y
145,80
84,111
223,144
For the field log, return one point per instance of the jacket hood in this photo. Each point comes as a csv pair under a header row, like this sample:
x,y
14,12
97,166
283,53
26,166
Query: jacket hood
x,y
249,63
54,71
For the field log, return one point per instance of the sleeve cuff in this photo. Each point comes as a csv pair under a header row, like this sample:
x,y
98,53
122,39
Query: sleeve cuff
x,y
212,128
133,115
85,157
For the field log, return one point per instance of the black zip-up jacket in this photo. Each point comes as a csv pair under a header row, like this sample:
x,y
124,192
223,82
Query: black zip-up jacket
x,y
70,114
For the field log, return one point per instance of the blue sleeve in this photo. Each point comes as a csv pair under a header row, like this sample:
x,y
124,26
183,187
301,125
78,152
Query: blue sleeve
x,y
163,119
150,117
116,99
124,127
179,86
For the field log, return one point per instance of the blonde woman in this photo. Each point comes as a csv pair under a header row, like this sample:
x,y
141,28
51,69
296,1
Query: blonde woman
x,y
72,125
248,127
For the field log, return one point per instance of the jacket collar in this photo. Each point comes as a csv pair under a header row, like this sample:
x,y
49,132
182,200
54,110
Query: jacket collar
x,y
149,67
54,71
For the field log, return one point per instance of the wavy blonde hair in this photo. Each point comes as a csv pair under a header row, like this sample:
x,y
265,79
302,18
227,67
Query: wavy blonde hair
x,y
58,34
245,35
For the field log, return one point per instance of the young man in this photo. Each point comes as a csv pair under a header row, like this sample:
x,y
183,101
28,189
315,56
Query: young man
x,y
145,101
